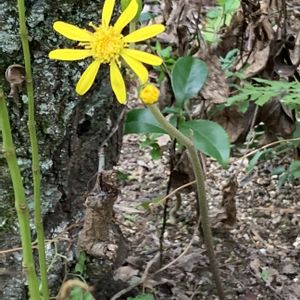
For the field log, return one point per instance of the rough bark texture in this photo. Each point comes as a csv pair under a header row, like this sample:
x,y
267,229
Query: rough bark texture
x,y
70,128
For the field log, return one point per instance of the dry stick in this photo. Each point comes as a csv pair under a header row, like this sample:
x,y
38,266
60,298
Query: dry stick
x,y
202,201
20,200
36,173
165,210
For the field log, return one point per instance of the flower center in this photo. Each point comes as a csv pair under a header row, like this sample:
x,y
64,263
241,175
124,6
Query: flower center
x,y
106,44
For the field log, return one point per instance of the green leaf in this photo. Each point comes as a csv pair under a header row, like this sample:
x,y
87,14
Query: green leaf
x,y
214,12
88,296
294,169
209,137
229,59
122,176
254,161
142,297
296,134
241,97
264,98
264,274
151,141
141,121
278,170
231,6
282,179
76,293
188,77
155,151
146,204
80,266
243,107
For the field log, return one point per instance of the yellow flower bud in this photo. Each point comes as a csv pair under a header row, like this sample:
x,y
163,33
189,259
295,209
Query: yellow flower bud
x,y
149,94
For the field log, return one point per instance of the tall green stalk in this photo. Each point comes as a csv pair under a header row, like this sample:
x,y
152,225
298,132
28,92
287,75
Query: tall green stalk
x,y
197,168
34,151
20,202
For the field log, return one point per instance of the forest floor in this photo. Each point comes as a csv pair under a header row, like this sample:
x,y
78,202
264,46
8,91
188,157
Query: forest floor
x,y
258,255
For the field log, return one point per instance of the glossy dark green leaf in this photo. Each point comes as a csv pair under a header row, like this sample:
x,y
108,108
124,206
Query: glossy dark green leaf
x,y
141,121
209,137
188,77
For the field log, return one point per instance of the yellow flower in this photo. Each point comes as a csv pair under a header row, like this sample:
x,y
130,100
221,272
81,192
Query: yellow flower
x,y
106,45
149,94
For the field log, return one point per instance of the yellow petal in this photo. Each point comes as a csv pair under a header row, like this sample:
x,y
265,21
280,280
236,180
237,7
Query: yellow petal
x,y
107,11
87,78
127,16
117,82
144,33
72,32
69,54
144,57
137,67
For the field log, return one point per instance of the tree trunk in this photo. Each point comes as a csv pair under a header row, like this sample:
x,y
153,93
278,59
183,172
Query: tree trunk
x,y
70,130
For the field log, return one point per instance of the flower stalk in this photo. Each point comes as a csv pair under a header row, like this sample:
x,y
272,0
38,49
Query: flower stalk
x,y
200,182
20,202
34,152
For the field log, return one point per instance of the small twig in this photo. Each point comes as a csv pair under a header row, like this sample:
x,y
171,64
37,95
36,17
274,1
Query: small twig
x,y
115,128
251,131
141,281
101,162
34,246
182,253
122,224
195,292
175,191
146,275
276,294
162,233
267,146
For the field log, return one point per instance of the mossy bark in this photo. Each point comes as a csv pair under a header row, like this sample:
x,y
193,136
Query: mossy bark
x,y
70,128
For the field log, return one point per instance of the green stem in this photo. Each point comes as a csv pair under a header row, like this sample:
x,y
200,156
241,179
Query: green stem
x,y
197,168
132,26
34,151
20,202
